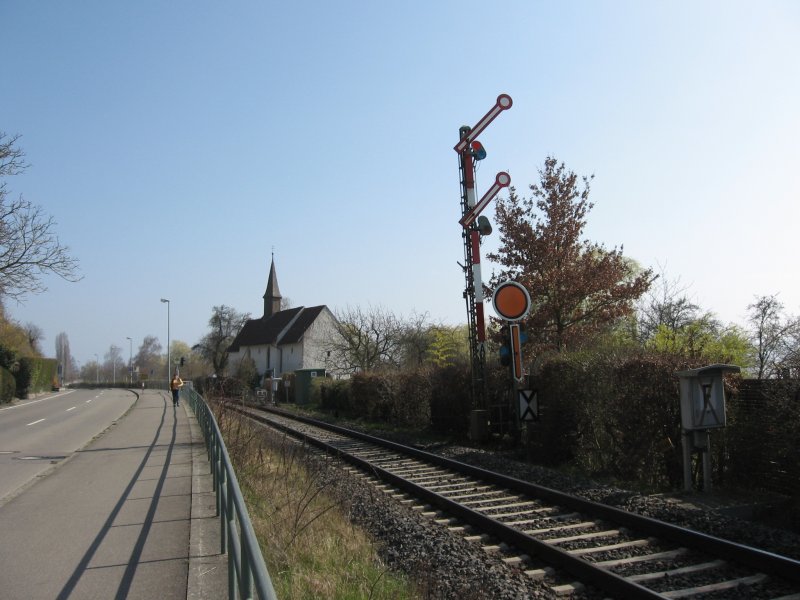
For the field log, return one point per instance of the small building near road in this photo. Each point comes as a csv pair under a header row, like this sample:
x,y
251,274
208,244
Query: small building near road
x,y
284,341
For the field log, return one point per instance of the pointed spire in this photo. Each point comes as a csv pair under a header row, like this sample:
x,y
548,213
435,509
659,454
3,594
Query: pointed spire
x,y
272,297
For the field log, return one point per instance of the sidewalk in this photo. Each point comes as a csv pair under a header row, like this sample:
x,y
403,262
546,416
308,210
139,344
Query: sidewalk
x,y
129,516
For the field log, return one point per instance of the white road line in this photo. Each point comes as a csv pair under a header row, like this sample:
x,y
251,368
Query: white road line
x,y
69,409
89,400
34,423
39,400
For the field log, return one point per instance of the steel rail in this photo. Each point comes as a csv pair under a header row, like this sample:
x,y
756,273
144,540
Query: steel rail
x,y
579,567
246,567
769,562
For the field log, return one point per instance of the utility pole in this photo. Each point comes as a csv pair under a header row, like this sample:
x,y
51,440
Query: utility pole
x,y
169,366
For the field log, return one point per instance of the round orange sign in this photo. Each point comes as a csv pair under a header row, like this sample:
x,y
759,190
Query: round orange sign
x,y
511,301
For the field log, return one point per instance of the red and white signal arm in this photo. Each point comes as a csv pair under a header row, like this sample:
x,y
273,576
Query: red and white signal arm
x,y
511,301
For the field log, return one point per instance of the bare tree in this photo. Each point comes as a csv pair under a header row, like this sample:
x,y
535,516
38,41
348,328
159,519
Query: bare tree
x,y
771,334
12,158
114,363
365,340
665,305
224,324
64,357
35,336
148,358
29,247
416,339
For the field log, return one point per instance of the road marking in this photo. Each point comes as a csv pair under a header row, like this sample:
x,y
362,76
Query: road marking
x,y
39,400
34,423
89,400
69,409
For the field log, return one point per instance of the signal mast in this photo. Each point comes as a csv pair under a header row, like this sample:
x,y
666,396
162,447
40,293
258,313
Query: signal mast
x,y
474,226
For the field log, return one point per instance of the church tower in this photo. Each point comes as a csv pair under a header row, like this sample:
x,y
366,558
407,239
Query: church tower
x,y
272,297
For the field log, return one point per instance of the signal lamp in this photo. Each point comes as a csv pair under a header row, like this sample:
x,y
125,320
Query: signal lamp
x,y
484,227
477,150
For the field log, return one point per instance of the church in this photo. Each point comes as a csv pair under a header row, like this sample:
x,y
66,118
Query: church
x,y
284,341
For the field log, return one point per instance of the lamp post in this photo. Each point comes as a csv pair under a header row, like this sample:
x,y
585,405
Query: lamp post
x,y
96,369
168,356
130,361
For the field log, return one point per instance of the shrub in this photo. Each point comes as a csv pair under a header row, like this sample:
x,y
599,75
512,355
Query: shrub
x,y
450,399
23,377
8,385
613,415
412,401
332,395
644,414
7,357
367,397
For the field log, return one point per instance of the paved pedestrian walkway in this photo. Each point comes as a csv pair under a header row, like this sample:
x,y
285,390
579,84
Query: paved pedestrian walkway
x,y
129,516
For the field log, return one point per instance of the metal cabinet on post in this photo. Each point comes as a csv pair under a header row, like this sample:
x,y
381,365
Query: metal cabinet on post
x,y
303,379
702,409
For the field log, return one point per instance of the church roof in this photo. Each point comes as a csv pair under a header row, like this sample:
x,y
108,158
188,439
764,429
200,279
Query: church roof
x,y
272,283
272,297
301,324
284,327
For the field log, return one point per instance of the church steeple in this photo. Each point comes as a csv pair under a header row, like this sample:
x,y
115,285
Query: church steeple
x,y
272,297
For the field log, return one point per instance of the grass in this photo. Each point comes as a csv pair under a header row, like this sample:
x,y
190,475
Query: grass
x,y
310,547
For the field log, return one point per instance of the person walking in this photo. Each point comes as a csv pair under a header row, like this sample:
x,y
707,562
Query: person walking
x,y
175,385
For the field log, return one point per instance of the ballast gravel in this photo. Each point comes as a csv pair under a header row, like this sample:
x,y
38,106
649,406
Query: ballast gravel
x,y
444,565
447,566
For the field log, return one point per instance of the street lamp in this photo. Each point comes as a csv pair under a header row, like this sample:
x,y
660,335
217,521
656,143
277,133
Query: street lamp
x,y
130,361
96,369
168,356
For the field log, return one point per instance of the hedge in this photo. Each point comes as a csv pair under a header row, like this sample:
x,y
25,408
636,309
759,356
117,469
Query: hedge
x,y
609,415
8,385
35,375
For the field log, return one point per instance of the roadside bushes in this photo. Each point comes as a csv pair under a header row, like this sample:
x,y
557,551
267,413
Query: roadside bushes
x,y
8,385
34,375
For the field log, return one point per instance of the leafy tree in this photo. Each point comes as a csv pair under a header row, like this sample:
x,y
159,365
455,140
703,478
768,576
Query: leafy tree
x,y
224,324
178,350
29,246
449,346
704,340
577,287
247,373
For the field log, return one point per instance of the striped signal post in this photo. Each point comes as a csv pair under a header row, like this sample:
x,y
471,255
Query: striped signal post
x,y
511,303
470,150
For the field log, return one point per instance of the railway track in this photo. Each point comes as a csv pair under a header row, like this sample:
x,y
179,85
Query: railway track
x,y
567,541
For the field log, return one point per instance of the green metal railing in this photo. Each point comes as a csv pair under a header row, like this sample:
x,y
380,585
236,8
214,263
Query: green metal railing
x,y
246,568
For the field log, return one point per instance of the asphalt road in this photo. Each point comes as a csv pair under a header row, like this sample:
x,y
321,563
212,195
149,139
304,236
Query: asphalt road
x,y
37,434
114,520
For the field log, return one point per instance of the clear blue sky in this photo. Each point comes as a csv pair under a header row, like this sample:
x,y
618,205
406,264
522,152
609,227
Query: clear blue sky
x,y
176,143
